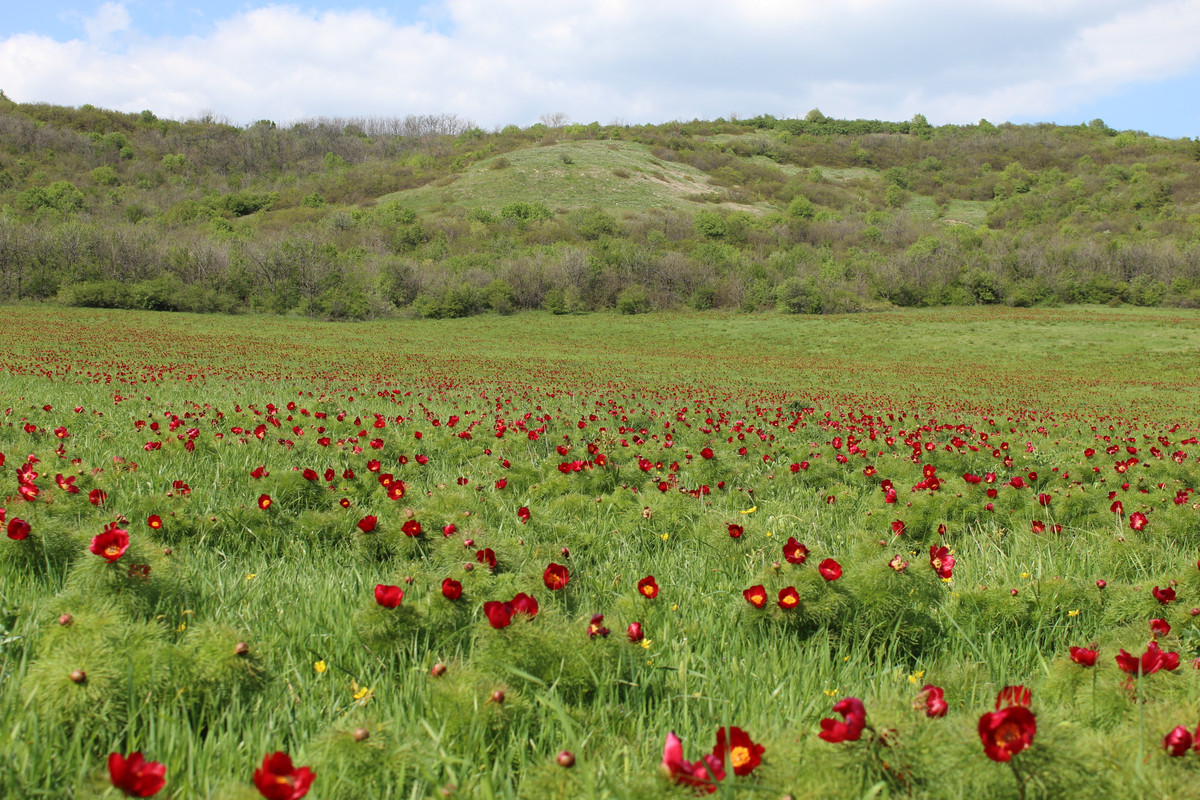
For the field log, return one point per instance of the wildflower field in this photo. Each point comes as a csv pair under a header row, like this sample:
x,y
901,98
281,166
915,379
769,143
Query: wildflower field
x,y
919,554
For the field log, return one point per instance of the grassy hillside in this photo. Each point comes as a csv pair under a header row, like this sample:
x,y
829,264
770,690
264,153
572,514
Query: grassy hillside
x,y
345,218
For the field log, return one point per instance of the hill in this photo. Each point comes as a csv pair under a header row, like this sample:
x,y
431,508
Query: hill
x,y
353,218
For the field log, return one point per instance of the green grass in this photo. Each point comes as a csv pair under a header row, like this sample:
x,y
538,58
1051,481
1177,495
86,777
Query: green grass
x,y
295,582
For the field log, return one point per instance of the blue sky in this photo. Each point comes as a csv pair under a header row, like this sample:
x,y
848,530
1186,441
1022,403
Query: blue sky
x,y
1136,66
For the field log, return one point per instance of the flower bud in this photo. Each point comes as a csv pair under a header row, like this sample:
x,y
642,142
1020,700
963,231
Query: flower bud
x,y
65,620
241,648
566,759
361,734
77,676
438,670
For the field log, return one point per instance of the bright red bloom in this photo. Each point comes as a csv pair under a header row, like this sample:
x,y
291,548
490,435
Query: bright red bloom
x,y
66,484
1137,520
388,596
1178,741
264,501
523,514
451,589
789,598
756,595
486,556
524,604
309,474
898,527
736,531
738,751
854,717
1006,732
1039,526
648,587
1163,596
703,774
135,776
635,632
794,552
932,700
555,577
411,528
1083,656
1151,661
154,521
830,570
97,497
1159,627
706,453
368,523
277,779
18,529
1044,499
941,561
596,627
499,614
111,544
449,530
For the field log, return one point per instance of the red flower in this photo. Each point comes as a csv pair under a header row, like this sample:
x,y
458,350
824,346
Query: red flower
x,y
1044,499
1151,661
1006,732
635,632
941,561
451,589
523,514
135,776
1163,596
898,527
794,552
1137,520
932,700
703,774
388,596
854,718
277,779
111,544
1159,627
739,751
309,474
97,497
264,501
596,627
789,598
18,529
1178,741
411,528
1083,656
736,531
706,453
486,556
154,521
499,614
449,530
368,523
525,604
756,596
555,577
1039,526
830,570
66,484
648,587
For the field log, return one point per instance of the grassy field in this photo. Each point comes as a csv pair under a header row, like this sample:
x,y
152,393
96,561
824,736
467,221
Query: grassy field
x,y
271,473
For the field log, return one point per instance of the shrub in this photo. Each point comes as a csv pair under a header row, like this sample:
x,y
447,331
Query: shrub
x,y
633,300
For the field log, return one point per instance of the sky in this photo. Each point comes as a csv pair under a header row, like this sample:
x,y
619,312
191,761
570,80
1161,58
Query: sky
x,y
1136,65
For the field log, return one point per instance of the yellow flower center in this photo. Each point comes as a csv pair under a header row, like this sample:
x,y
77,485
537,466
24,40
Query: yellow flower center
x,y
1008,735
739,756
757,598
112,550
789,601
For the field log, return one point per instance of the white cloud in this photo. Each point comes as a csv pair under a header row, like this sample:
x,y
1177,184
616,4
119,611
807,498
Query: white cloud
x,y
500,62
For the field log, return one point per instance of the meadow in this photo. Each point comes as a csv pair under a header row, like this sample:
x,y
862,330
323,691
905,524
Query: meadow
x,y
923,553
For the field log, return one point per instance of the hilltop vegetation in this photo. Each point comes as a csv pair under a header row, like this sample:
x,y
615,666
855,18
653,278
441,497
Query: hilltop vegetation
x,y
355,218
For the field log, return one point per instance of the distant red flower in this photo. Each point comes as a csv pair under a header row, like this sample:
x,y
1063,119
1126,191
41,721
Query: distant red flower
x,y
154,521
1178,741
525,604
411,528
648,587
635,632
1006,732
111,544
277,779
97,497
898,527
756,596
451,589
555,577
703,774
135,776
67,484
789,598
498,614
486,556
596,627
1137,520
368,523
1164,596
794,552
941,561
309,474
854,719
1159,627
932,700
523,514
830,570
449,530
388,596
1151,661
264,501
736,531
738,750
259,471
1044,499
706,453
18,529
1083,656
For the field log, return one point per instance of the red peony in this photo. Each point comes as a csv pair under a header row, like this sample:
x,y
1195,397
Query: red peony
x,y
135,776
277,779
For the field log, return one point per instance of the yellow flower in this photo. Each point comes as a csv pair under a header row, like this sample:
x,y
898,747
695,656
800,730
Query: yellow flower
x,y
769,534
832,692
319,666
361,694
1024,574
916,676
750,510
1074,613
646,643
675,607
251,576
665,536
182,627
